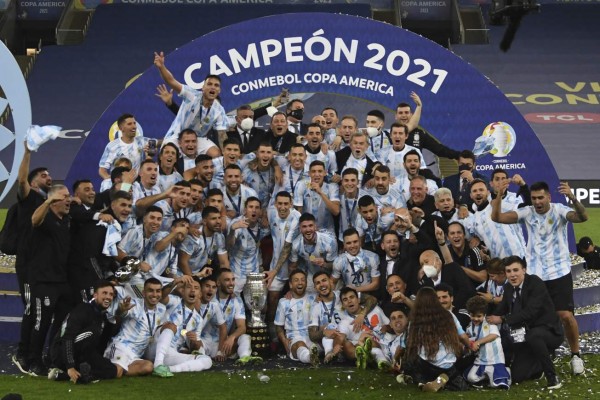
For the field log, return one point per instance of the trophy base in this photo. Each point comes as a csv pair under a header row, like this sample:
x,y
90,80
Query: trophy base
x,y
260,341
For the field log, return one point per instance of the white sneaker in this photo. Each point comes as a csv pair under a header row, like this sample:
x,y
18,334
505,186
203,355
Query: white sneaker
x,y
577,365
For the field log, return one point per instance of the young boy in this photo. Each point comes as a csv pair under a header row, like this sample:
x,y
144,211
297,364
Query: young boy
x,y
485,341
493,289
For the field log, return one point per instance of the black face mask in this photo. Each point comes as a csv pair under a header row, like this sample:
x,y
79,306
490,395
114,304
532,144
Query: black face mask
x,y
448,214
298,114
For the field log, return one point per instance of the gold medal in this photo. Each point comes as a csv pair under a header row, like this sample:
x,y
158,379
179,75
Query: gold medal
x,y
312,258
183,332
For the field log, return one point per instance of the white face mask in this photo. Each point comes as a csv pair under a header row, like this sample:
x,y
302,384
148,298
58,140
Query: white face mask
x,y
247,124
372,131
430,271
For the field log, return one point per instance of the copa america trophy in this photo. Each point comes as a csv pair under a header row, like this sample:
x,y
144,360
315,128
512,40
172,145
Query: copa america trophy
x,y
255,297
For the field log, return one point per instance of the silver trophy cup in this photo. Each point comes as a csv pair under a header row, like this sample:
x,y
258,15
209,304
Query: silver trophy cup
x,y
255,296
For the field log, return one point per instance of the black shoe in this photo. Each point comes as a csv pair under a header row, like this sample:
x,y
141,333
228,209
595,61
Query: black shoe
x,y
553,382
21,362
38,369
86,376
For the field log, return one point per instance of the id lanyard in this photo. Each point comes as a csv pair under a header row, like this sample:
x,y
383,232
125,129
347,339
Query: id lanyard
x,y
292,184
239,203
329,313
185,320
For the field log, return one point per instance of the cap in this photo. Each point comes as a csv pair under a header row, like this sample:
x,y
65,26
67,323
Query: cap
x,y
584,243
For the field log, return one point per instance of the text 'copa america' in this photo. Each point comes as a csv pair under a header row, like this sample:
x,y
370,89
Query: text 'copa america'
x,y
319,48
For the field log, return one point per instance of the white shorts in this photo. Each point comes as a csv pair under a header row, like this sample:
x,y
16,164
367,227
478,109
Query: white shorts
x,y
204,144
277,285
210,347
120,355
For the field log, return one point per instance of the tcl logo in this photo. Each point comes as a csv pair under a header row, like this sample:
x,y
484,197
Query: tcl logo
x,y
563,118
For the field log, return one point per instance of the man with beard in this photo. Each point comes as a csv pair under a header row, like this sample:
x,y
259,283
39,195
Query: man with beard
x,y
236,193
471,260
127,145
200,111
293,168
199,252
371,222
32,189
232,155
393,156
47,267
460,184
356,267
178,205
259,173
203,172
234,314
387,196
327,313
292,320
279,135
283,221
501,240
141,319
355,157
167,173
243,239
331,124
362,344
87,261
412,165
180,334
314,152
318,198
163,256
77,350
138,242
313,250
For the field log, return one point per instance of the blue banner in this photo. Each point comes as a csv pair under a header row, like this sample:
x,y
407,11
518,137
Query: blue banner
x,y
47,10
373,61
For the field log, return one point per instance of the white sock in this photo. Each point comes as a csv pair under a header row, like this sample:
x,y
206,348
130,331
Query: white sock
x,y
303,354
378,354
327,345
162,344
243,343
199,364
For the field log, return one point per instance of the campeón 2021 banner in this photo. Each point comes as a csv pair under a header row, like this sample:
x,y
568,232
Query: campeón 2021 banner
x,y
343,55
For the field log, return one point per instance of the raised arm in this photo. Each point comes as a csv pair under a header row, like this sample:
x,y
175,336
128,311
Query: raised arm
x,y
165,74
579,214
23,187
413,122
509,217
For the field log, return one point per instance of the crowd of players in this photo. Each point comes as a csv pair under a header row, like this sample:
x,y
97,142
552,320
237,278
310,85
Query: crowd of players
x,y
367,254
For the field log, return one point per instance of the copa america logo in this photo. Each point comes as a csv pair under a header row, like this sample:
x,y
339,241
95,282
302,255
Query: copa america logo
x,y
13,84
498,139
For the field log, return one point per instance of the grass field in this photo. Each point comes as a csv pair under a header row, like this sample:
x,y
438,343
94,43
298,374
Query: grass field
x,y
323,383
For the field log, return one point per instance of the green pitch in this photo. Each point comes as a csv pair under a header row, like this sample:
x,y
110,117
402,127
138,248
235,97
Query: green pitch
x,y
339,383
